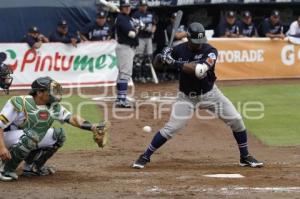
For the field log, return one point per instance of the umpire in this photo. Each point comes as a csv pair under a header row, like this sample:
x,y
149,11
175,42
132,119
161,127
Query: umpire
x,y
126,33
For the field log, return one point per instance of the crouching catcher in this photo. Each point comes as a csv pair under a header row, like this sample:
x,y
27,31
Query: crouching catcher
x,y
26,132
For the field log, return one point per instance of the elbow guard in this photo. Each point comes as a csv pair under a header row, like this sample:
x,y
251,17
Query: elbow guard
x,y
201,70
132,34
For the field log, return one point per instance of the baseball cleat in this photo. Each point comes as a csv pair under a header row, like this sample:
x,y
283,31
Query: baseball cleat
x,y
8,176
123,104
43,171
140,162
250,161
5,178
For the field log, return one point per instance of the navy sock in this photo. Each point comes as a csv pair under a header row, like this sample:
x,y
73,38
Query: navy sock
x,y
241,139
157,141
122,86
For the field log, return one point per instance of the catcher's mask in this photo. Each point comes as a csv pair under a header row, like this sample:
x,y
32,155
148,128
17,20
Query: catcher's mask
x,y
47,84
196,33
5,74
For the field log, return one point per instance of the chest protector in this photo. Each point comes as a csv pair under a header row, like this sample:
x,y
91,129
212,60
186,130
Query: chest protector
x,y
38,118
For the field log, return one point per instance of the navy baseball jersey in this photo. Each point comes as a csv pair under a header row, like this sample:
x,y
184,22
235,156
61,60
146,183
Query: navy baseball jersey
x,y
57,37
268,27
123,26
96,32
30,40
225,27
247,30
148,19
189,83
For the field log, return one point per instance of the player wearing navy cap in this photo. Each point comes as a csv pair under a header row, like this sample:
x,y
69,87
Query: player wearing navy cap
x,y
127,30
63,35
99,30
34,38
228,27
143,58
246,25
272,26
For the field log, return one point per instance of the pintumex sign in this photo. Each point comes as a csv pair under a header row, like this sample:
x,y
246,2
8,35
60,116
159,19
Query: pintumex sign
x,y
90,64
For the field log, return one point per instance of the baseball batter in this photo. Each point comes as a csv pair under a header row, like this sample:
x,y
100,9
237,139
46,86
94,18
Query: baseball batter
x,y
197,60
26,132
126,34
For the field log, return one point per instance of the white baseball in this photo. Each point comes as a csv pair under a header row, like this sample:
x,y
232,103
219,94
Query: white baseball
x,y
147,129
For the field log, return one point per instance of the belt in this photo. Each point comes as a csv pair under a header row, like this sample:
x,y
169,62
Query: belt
x,y
131,46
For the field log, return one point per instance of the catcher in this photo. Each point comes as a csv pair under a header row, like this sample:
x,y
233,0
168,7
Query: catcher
x,y
26,132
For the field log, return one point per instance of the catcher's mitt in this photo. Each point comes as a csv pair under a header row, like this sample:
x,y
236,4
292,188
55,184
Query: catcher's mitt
x,y
101,133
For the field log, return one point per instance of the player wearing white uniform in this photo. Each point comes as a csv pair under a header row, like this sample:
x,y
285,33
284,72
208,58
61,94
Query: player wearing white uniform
x,y
26,133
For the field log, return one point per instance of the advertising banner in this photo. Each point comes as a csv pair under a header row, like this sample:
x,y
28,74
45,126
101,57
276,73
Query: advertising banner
x,y
89,64
258,58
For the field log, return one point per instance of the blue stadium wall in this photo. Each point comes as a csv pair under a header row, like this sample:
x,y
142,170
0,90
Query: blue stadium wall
x,y
16,16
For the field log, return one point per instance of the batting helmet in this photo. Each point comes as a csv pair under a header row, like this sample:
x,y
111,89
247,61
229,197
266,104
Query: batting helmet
x,y
196,33
47,84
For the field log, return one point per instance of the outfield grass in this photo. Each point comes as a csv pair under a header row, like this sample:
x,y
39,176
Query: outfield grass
x,y
281,121
279,126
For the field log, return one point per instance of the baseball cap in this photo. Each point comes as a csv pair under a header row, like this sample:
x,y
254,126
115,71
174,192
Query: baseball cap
x,y
230,13
124,3
174,14
101,14
33,29
247,14
275,13
196,33
62,23
143,3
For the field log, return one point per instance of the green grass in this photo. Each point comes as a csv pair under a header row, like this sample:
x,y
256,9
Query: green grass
x,y
280,124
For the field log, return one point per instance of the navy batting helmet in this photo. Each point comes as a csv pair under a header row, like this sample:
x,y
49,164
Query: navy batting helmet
x,y
196,33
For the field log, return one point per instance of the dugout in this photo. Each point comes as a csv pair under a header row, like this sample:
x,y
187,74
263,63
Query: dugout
x,y
17,15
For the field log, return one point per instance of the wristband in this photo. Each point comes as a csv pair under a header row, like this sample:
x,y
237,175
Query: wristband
x,y
178,64
86,125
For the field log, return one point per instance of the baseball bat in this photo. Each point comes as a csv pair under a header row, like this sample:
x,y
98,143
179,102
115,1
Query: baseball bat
x,y
153,74
175,27
109,5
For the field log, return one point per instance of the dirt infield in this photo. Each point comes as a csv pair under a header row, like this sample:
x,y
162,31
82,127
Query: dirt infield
x,y
176,171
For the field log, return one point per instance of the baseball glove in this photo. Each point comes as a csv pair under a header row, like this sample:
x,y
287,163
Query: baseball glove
x,y
101,133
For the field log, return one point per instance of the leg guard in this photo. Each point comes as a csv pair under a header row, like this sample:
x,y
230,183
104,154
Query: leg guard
x,y
40,156
137,68
19,152
147,68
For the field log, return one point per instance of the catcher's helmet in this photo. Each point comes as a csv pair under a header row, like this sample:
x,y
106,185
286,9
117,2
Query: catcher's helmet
x,y
196,33
5,74
47,84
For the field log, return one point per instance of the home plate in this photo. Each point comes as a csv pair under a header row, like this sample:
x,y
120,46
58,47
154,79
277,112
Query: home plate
x,y
235,175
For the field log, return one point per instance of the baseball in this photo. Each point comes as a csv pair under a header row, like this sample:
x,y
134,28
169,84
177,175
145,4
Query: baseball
x,y
147,129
